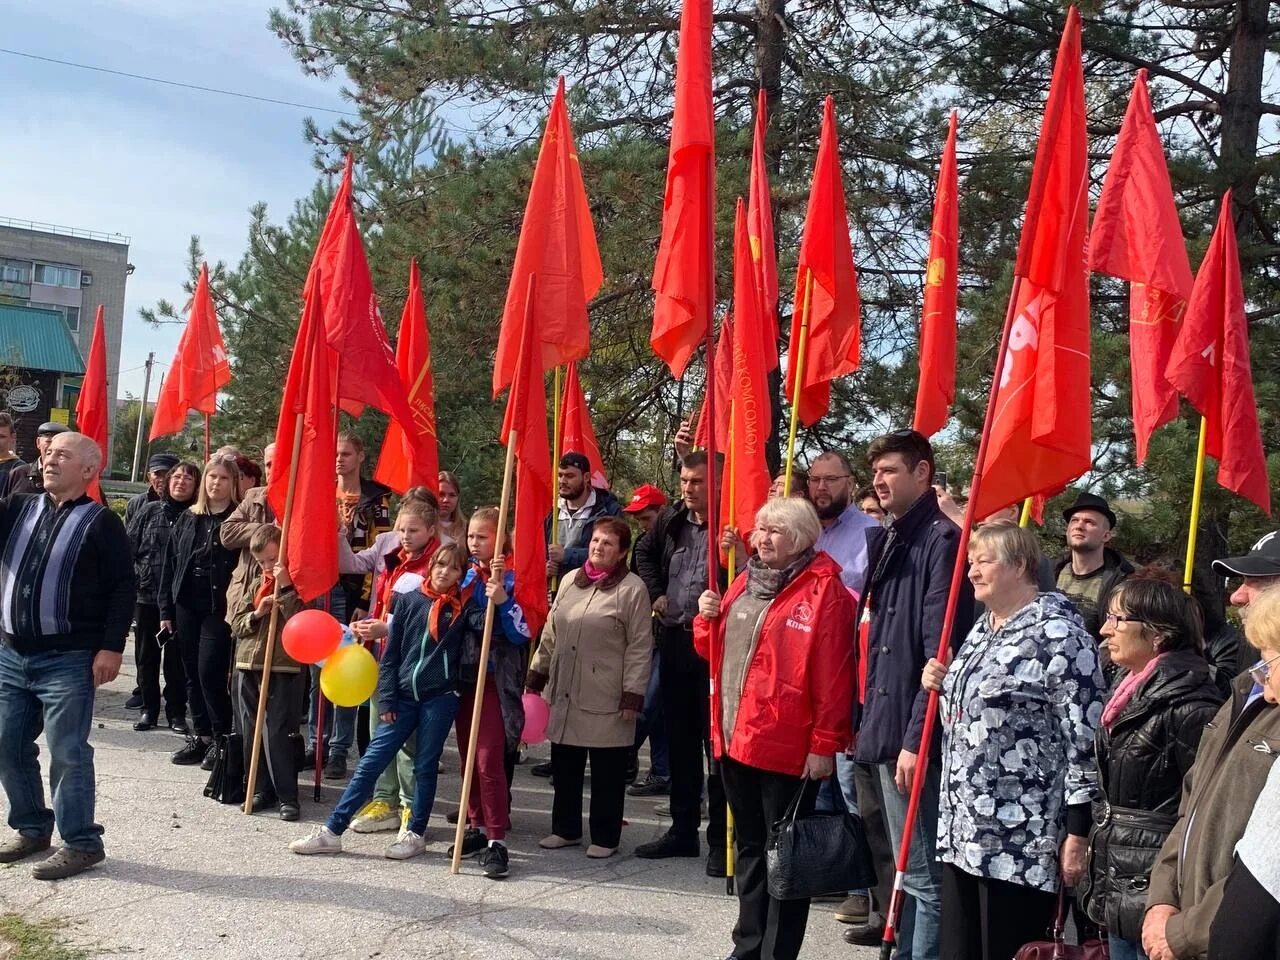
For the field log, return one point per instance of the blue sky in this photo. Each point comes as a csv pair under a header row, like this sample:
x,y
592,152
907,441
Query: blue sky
x,y
156,163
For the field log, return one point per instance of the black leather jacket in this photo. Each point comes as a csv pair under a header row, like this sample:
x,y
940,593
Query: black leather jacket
x,y
149,529
1141,761
192,531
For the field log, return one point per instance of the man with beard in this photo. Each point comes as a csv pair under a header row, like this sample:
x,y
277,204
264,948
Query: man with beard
x,y
844,526
1090,569
576,511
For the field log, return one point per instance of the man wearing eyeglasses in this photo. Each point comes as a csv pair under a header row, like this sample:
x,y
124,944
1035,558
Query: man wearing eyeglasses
x,y
844,526
1236,753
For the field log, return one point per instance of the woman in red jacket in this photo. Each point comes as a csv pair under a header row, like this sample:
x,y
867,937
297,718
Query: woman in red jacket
x,y
780,645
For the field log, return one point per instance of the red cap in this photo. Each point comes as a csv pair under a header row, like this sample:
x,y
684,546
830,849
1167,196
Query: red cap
x,y
645,497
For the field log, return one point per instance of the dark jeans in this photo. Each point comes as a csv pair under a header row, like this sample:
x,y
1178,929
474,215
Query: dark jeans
x,y
767,929
651,725
986,919
277,775
152,658
608,791
206,648
883,855
53,693
1248,921
686,704
430,720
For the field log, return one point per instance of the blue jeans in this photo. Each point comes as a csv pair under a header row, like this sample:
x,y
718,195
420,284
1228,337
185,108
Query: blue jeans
x,y
923,881
431,720
653,725
1125,949
53,693
339,722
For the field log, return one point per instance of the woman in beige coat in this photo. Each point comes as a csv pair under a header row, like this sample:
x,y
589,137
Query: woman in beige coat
x,y
593,660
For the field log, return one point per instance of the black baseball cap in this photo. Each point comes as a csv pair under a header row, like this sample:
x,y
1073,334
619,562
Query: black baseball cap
x,y
1263,560
51,428
161,461
576,460
1090,501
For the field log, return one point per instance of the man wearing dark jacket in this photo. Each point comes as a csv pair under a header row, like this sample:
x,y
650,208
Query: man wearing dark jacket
x,y
66,599
906,595
158,467
672,561
1089,570
29,477
575,515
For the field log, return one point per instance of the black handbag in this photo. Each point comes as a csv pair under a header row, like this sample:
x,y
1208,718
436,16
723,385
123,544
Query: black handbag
x,y
818,854
226,779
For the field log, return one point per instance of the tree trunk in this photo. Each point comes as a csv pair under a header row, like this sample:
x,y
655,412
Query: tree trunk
x,y
1242,111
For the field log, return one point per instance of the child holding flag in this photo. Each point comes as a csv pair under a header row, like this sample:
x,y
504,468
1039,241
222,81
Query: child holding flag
x,y
417,694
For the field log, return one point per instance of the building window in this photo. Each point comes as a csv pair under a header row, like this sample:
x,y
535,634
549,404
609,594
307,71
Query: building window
x,y
71,315
57,276
15,278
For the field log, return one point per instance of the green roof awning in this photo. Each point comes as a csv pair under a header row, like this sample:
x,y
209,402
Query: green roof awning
x,y
36,339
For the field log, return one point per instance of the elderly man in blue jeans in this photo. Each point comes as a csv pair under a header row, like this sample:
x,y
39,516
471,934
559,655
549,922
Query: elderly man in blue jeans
x,y
66,602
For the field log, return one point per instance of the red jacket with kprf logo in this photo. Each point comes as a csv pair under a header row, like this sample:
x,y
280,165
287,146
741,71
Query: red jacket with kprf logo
x,y
797,697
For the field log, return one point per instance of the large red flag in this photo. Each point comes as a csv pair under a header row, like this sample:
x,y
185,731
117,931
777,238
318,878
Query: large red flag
x,y
746,484
527,416
92,405
409,457
199,368
576,432
764,250
684,273
937,387
1041,426
1136,236
1210,365
723,387
832,346
558,245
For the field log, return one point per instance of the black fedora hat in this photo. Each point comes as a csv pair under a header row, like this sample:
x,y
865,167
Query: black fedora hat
x,y
1090,501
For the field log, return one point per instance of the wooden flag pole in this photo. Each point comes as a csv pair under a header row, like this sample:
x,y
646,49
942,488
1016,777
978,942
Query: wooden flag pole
x,y
798,381
490,614
556,454
207,418
1197,490
268,655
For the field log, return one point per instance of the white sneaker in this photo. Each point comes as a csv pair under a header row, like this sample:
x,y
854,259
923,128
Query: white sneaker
x,y
322,840
376,816
410,845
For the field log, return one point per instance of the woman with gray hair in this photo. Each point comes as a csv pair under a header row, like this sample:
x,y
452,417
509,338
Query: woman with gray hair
x,y
1020,705
781,658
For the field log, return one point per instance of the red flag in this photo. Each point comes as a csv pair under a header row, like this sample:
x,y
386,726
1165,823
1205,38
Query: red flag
x,y
92,405
558,245
937,387
764,250
199,368
723,381
747,473
409,458
1136,236
349,312
576,433
684,273
527,416
312,546
1040,432
1210,365
832,346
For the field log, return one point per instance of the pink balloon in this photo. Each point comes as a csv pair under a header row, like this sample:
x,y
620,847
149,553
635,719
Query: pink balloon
x,y
536,714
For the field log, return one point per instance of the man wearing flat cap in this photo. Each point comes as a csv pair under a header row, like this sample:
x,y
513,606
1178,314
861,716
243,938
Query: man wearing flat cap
x,y
30,478
158,467
1090,569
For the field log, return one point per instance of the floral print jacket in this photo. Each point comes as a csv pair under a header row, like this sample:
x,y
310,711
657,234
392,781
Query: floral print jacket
x,y
1019,709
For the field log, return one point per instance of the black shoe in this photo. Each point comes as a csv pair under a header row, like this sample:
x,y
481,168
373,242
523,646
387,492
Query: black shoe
x,y
210,757
336,768
192,753
716,862
494,860
145,722
289,812
179,726
670,845
263,800
867,935
473,841
135,702
650,786
541,769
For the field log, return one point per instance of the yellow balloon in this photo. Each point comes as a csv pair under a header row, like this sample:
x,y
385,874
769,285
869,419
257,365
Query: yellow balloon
x,y
349,677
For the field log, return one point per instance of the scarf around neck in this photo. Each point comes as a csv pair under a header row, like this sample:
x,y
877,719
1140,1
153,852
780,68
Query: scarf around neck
x,y
765,583
450,600
1125,691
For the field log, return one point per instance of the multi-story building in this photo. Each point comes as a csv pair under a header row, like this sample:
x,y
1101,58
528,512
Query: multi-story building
x,y
52,280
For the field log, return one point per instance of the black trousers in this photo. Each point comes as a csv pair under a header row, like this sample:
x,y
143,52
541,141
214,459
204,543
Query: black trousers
x,y
152,658
608,791
206,647
767,929
276,776
985,919
1248,921
877,829
686,705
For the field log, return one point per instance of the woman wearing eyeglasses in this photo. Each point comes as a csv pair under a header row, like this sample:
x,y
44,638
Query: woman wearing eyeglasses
x,y
1146,744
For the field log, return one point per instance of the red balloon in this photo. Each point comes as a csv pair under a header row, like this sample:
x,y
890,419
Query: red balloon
x,y
311,635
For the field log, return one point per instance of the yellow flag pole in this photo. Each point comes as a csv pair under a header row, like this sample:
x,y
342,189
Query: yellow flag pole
x,y
798,381
733,556
1196,491
1024,518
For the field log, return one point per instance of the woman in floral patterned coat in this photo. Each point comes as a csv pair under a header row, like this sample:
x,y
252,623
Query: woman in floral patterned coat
x,y
1020,704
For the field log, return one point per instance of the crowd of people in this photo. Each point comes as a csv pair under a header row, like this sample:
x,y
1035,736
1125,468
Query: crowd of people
x,y
1106,740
